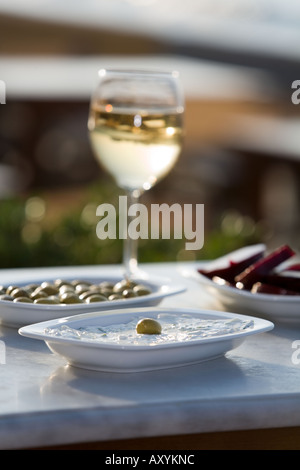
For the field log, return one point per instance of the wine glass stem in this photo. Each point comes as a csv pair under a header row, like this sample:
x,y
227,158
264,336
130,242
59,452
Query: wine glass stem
x,y
130,250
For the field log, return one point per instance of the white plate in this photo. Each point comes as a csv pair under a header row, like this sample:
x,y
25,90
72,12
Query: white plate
x,y
135,358
277,308
19,314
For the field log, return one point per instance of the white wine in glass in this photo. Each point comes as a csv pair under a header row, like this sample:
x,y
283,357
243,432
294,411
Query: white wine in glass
x,y
136,126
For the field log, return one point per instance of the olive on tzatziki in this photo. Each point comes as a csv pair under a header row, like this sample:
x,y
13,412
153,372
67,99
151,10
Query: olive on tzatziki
x,y
169,328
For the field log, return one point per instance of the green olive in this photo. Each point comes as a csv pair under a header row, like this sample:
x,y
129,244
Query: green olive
x,y
76,282
148,326
61,282
54,298
118,287
66,288
49,288
69,298
106,285
6,297
86,294
141,290
38,294
95,288
128,293
51,300
10,289
122,285
80,288
18,293
23,299
107,292
95,298
30,288
115,297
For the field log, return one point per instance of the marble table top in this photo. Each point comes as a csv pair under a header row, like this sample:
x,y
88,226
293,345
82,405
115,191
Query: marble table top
x,y
45,402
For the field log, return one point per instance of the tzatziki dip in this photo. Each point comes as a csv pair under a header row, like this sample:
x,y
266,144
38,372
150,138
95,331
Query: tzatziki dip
x,y
174,329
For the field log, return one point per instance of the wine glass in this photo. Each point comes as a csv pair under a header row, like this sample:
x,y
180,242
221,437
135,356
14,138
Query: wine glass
x,y
135,126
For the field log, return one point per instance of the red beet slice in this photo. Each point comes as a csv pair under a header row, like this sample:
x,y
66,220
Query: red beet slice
x,y
234,268
293,267
262,267
262,288
285,282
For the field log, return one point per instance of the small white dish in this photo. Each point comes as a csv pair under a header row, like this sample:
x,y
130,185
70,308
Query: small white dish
x,y
114,357
276,308
17,314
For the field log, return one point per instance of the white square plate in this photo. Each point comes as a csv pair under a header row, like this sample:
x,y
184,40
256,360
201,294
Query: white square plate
x,y
114,357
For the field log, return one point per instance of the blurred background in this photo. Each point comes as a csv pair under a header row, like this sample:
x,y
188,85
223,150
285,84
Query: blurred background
x,y
241,158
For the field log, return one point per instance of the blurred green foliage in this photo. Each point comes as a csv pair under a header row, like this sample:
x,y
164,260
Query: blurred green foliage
x,y
27,239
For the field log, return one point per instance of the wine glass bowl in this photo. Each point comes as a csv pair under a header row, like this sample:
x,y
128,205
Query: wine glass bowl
x,y
136,126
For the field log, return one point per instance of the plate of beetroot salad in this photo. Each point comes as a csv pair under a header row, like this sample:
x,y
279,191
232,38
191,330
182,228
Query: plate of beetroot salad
x,y
255,280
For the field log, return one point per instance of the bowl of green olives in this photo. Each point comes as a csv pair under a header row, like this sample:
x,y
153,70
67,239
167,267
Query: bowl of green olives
x,y
23,303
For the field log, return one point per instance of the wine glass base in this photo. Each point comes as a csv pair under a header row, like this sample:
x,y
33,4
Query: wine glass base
x,y
135,273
